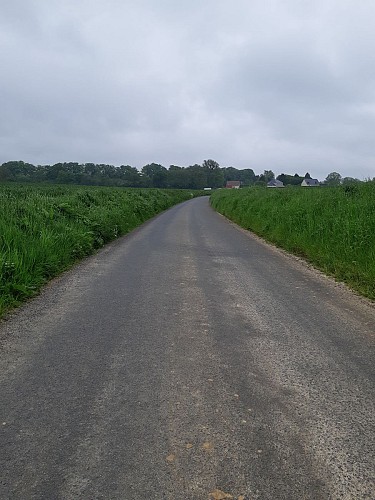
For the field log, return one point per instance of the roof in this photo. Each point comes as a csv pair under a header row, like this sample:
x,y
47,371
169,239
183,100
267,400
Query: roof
x,y
275,183
233,183
310,182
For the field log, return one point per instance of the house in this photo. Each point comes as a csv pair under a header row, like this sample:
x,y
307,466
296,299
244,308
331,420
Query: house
x,y
310,182
275,183
233,184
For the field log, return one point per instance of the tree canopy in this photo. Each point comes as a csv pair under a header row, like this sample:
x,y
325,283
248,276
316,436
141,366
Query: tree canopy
x,y
208,174
291,180
333,179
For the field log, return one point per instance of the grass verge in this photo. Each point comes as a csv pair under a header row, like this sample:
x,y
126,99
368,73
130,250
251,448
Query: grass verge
x,y
46,229
333,228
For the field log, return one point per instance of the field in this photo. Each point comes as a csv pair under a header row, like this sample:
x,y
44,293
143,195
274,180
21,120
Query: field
x,y
44,229
333,228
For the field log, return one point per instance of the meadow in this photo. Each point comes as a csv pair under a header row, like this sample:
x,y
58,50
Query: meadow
x,y
44,230
333,228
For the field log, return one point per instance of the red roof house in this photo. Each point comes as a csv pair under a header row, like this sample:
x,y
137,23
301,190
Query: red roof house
x,y
233,184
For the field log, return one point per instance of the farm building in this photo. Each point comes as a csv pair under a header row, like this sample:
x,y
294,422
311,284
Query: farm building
x,y
233,184
310,182
275,183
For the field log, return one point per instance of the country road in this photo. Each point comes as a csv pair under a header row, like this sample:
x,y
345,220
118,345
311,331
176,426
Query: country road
x,y
189,360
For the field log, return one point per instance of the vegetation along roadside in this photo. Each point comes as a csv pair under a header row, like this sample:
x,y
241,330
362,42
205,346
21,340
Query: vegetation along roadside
x,y
45,229
333,228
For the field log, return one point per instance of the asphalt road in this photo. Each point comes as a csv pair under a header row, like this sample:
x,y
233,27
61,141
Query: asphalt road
x,y
189,360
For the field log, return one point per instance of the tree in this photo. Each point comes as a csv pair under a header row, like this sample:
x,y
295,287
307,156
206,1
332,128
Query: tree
x,y
157,174
4,173
178,177
260,182
333,179
53,171
291,180
130,176
247,176
18,171
210,164
108,171
215,175
231,174
90,169
307,175
267,176
350,180
197,177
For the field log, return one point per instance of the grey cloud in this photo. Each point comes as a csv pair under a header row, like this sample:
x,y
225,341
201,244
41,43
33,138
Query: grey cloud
x,y
287,86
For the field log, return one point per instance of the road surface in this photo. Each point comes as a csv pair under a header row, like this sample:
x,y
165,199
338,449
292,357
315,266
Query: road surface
x,y
189,360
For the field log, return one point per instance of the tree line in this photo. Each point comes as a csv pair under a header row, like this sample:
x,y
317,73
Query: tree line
x,y
209,174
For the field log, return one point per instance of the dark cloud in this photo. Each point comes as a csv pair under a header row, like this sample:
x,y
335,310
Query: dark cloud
x,y
282,85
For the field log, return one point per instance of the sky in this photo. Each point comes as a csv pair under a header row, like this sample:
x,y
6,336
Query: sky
x,y
281,85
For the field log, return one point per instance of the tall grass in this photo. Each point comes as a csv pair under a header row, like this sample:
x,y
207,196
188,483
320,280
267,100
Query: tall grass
x,y
44,230
333,228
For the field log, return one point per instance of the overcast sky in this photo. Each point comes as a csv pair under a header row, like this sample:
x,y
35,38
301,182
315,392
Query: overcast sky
x,y
286,85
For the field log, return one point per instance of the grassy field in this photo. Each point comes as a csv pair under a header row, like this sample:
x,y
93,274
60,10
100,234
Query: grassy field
x,y
333,228
44,229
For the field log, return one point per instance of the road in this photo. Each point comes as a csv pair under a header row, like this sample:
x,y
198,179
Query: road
x,y
189,360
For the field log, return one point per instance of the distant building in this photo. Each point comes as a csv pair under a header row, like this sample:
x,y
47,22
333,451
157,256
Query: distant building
x,y
310,182
233,184
275,183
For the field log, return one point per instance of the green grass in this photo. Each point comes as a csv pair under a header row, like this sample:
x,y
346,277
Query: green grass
x,y
333,228
44,229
